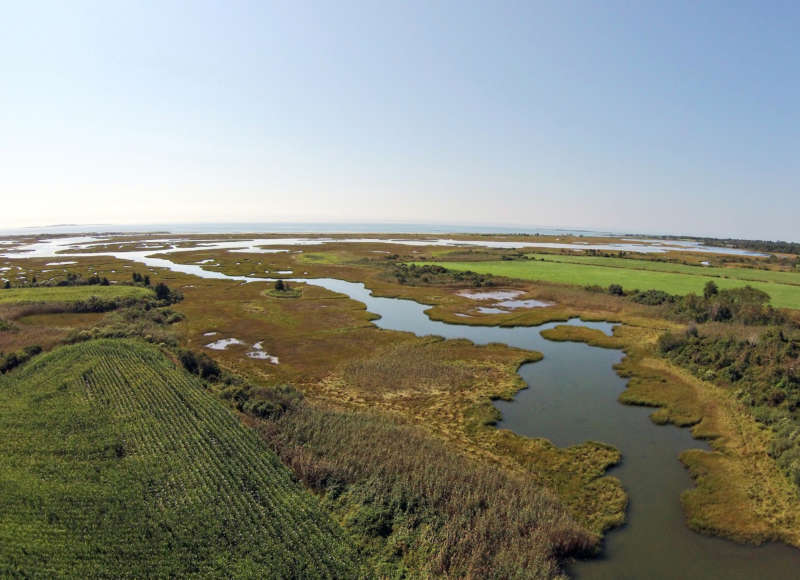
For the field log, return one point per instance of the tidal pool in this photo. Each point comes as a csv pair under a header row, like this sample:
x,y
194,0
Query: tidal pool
x,y
530,303
258,352
572,397
490,310
223,343
489,295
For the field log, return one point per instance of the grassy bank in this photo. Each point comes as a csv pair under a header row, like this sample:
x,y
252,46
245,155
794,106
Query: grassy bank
x,y
117,464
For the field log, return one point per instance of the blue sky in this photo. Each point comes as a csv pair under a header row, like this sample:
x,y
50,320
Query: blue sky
x,y
674,117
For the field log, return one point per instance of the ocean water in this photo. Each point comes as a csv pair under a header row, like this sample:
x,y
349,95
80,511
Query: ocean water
x,y
301,228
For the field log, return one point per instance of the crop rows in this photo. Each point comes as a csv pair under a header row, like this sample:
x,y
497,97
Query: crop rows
x,y
148,475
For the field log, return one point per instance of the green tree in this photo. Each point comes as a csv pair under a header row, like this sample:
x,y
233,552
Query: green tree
x,y
710,289
615,289
162,291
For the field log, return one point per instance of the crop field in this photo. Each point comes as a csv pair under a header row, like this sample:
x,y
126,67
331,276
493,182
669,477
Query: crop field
x,y
783,295
70,293
117,464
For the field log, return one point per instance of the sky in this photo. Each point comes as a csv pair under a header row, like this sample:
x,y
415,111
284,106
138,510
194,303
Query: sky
x,y
639,116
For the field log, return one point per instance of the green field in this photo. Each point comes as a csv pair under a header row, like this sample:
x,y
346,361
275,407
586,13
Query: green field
x,y
71,293
586,274
655,266
117,464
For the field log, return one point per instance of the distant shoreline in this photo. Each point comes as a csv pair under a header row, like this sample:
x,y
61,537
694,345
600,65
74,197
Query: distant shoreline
x,y
308,227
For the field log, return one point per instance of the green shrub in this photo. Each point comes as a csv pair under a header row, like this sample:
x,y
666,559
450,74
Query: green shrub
x,y
14,359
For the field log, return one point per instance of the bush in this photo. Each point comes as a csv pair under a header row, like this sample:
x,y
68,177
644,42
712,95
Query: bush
x,y
710,289
165,295
669,341
265,403
188,360
746,305
14,359
207,367
651,297
616,290
162,291
762,373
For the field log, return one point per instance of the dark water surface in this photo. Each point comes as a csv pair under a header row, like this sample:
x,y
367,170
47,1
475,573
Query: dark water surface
x,y
572,397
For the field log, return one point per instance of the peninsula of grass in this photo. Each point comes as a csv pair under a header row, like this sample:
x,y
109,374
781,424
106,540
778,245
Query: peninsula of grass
x,y
782,295
117,464
67,294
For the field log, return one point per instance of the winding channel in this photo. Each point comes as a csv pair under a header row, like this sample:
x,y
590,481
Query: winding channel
x,y
572,397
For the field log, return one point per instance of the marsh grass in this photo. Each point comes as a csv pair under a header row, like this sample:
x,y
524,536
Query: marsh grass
x,y
420,506
407,367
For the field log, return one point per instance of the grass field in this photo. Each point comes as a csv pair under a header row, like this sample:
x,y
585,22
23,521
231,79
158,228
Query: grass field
x,y
783,295
70,293
117,464
779,277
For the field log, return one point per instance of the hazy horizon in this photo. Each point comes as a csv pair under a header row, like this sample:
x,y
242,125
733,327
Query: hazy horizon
x,y
649,118
339,227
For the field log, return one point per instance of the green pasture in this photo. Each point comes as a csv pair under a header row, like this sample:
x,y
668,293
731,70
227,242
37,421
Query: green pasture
x,y
588,274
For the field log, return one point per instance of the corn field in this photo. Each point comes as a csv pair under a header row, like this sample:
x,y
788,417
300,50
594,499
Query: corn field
x,y
117,464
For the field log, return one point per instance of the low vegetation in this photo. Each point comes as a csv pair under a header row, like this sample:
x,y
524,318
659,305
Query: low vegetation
x,y
12,360
139,320
117,464
432,274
